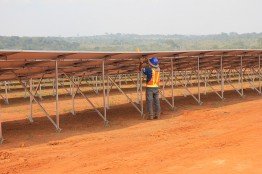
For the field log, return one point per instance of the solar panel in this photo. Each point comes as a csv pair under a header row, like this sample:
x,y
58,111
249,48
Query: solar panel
x,y
33,63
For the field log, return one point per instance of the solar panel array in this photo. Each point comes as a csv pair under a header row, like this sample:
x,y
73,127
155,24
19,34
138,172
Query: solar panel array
x,y
35,64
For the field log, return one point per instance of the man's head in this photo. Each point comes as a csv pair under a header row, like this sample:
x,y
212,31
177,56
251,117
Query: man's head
x,y
153,62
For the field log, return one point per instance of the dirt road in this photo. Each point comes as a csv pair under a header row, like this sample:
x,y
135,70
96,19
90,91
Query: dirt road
x,y
218,137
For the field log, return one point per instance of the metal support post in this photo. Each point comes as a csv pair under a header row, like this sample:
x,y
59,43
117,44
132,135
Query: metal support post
x,y
222,77
73,95
172,84
96,84
259,72
138,87
6,93
198,80
104,92
141,94
56,90
40,92
205,83
30,117
38,87
241,76
107,92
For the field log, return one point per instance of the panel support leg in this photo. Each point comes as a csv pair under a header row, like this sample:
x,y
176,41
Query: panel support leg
x,y
222,77
73,96
205,83
241,76
40,92
141,94
30,117
172,84
104,93
56,90
107,92
6,93
259,72
138,87
198,79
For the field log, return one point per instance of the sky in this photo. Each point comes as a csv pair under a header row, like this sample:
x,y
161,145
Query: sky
x,y
96,17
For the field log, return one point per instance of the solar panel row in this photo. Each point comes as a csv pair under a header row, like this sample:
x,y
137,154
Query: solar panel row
x,y
27,64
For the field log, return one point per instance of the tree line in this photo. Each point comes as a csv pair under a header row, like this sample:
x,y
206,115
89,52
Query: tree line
x,y
133,42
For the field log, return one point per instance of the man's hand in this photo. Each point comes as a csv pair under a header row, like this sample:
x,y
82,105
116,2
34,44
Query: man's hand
x,y
142,60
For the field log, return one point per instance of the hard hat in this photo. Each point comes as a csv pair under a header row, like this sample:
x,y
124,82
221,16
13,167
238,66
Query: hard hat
x,y
153,62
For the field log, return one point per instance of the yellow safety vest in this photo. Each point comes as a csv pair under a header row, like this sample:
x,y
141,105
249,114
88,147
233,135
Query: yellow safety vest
x,y
154,81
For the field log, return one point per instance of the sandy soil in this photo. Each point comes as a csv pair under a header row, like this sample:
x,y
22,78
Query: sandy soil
x,y
217,137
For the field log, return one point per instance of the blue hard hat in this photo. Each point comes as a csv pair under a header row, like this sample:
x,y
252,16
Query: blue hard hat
x,y
153,62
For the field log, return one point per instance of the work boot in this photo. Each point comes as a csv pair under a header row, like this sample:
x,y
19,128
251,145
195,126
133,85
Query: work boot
x,y
150,117
156,117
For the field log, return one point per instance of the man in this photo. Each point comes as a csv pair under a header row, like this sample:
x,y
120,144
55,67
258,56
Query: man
x,y
152,73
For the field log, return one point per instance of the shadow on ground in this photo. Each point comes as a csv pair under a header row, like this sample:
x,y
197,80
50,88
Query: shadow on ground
x,y
121,116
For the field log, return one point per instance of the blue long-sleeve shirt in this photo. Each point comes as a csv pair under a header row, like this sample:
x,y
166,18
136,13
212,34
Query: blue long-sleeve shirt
x,y
148,72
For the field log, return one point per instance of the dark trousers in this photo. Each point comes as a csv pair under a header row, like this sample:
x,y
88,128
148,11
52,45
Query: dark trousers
x,y
152,102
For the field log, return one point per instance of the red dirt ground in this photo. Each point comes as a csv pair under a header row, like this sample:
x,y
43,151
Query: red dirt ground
x,y
217,137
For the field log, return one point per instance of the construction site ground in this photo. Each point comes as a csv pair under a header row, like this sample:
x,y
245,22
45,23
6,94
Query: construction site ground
x,y
216,137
